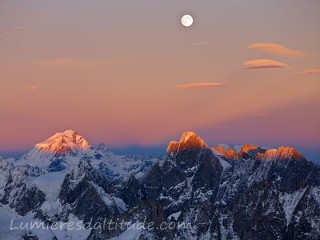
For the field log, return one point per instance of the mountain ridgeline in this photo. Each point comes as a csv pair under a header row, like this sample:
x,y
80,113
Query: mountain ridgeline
x,y
193,192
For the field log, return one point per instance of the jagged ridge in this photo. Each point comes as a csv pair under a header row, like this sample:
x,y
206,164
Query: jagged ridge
x,y
255,152
188,140
192,185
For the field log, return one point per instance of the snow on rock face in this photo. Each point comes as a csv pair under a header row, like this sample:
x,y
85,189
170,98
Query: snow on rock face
x,y
188,140
131,233
192,186
31,231
50,184
316,194
175,216
290,201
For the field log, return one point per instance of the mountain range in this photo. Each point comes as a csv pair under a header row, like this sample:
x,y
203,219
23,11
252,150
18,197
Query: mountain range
x,y
193,192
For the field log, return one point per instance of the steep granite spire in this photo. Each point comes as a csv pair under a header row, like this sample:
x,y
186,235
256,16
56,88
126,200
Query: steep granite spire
x,y
188,140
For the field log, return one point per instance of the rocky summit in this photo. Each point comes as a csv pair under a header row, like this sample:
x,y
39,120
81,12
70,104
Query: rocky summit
x,y
188,140
194,192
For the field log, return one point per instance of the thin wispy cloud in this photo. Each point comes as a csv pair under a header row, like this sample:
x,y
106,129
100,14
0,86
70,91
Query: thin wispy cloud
x,y
264,64
13,29
74,63
200,85
3,33
20,27
310,71
31,89
277,49
201,43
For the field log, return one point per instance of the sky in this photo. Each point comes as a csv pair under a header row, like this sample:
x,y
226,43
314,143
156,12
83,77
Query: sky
x,y
127,73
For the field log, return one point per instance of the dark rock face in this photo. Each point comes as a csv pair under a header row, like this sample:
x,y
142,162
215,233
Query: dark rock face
x,y
56,165
30,236
30,200
192,169
82,189
243,198
107,171
16,190
255,210
132,192
187,180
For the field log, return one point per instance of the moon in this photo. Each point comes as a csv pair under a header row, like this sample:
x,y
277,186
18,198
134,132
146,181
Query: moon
x,y
187,20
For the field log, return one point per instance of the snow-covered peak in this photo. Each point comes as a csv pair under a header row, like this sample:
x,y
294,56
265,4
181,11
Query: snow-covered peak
x,y
188,140
247,147
57,152
256,152
188,135
268,155
63,142
283,153
249,151
288,153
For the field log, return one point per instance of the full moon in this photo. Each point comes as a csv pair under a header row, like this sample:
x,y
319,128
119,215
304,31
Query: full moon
x,y
187,20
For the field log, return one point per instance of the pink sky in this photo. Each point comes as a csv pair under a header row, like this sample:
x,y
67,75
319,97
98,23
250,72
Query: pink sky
x,y
129,73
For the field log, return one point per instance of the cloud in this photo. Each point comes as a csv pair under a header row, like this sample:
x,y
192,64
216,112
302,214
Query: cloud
x,y
276,49
74,63
201,43
264,64
12,29
3,33
310,71
19,27
200,85
30,89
